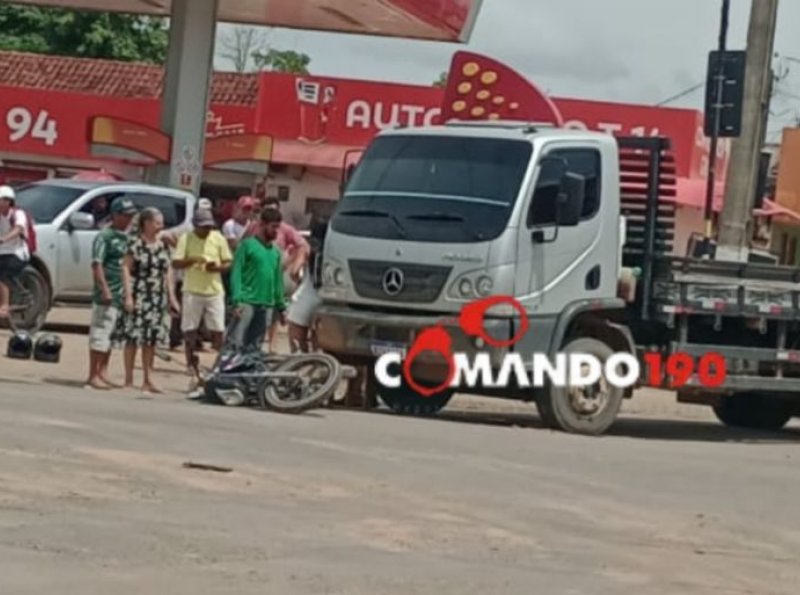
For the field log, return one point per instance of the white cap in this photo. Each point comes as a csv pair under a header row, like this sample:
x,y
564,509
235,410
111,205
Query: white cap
x,y
7,192
205,203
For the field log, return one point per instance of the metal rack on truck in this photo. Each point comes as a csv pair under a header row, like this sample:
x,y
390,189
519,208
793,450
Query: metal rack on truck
x,y
748,313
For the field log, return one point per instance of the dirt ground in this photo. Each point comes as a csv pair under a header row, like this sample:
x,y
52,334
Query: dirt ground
x,y
95,497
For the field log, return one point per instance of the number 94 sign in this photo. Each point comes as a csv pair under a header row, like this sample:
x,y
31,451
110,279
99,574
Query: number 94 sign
x,y
23,124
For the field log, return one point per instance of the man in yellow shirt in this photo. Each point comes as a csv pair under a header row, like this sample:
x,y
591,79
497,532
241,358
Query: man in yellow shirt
x,y
204,255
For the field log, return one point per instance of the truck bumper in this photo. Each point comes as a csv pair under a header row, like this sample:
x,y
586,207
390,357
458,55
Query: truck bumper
x,y
360,337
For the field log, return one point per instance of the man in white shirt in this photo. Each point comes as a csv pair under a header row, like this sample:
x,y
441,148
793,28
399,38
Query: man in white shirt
x,y
13,245
235,227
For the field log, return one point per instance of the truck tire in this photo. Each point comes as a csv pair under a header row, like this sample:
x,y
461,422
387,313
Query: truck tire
x,y
582,410
36,298
406,401
754,411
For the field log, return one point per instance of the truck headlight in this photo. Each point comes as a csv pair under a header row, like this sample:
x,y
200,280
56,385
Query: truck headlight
x,y
484,286
465,288
333,275
471,286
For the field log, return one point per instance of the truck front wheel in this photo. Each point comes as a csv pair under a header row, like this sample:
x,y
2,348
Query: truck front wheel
x,y
404,400
754,411
589,410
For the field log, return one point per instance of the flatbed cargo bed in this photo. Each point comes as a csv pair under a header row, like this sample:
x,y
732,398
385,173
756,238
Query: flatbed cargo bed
x,y
729,289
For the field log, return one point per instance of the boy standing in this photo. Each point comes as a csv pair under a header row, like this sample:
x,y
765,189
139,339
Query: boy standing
x,y
257,285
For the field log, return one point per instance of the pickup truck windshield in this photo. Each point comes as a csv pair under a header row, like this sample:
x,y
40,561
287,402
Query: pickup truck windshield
x,y
44,201
434,189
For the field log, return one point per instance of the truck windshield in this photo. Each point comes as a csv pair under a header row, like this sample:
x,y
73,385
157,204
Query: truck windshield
x,y
45,201
434,189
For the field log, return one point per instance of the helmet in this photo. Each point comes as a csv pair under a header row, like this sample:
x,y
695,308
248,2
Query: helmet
x,y
20,346
47,349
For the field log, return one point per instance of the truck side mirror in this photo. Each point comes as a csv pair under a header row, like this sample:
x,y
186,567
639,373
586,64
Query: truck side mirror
x,y
570,199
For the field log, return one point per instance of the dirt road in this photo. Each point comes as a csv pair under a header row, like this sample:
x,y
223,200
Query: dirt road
x,y
94,498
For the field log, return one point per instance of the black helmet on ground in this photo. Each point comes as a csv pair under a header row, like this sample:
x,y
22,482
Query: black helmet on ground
x,y
48,349
20,346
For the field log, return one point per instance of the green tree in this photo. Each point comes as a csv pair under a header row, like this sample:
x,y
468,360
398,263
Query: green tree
x,y
83,34
282,61
442,80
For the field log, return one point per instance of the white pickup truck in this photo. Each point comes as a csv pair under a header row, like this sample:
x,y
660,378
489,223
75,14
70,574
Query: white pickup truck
x,y
68,214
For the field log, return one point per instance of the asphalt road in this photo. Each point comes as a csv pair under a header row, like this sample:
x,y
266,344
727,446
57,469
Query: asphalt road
x,y
94,498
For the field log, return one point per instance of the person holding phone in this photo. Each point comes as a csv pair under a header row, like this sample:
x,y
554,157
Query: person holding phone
x,y
203,255
149,295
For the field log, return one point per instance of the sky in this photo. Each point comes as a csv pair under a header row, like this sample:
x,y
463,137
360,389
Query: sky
x,y
638,51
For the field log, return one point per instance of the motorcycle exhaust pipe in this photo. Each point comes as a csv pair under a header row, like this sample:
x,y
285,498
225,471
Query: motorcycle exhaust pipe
x,y
232,397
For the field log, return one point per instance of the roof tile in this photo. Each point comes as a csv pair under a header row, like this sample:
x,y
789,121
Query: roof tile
x,y
112,78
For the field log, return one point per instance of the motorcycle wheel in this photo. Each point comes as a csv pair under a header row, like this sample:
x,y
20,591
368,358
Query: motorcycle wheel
x,y
315,378
29,302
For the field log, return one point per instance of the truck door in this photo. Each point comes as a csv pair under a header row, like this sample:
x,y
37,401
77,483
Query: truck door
x,y
557,265
75,246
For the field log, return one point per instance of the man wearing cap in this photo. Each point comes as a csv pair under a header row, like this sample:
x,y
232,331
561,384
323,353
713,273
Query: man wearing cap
x,y
203,254
235,227
108,250
13,247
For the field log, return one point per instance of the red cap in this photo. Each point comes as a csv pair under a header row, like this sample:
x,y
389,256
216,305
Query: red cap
x,y
247,202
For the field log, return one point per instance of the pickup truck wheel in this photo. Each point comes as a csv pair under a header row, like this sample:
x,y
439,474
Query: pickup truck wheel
x,y
406,401
754,411
30,306
587,410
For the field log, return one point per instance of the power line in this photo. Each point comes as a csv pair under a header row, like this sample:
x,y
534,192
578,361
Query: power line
x,y
682,94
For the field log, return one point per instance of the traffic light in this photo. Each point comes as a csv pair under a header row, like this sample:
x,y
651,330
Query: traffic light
x,y
732,80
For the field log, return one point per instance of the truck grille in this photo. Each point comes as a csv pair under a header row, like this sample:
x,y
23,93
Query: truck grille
x,y
419,284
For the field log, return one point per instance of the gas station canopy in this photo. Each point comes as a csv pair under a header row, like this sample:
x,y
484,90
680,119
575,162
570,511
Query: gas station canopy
x,y
193,25
438,20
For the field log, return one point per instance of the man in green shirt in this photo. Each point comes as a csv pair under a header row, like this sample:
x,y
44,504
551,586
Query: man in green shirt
x,y
257,291
108,249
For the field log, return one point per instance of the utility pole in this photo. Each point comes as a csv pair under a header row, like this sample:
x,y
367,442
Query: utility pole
x,y
746,153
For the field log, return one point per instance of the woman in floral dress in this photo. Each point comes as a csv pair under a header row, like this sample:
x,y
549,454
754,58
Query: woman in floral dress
x,y
149,297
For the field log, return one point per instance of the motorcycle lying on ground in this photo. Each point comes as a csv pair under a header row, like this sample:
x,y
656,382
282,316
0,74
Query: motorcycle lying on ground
x,y
282,383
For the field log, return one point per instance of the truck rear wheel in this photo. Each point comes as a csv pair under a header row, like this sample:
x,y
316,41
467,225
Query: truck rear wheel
x,y
587,410
754,411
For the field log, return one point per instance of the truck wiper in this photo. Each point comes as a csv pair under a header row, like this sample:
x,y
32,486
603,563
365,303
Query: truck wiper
x,y
376,213
437,216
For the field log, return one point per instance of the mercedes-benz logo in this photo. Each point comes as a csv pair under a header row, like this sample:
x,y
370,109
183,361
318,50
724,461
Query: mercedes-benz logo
x,y
393,282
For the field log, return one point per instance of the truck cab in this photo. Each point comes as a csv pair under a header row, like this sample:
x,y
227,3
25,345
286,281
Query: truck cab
x,y
435,218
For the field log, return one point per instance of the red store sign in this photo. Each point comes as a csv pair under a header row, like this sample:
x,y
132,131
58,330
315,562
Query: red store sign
x,y
56,124
320,111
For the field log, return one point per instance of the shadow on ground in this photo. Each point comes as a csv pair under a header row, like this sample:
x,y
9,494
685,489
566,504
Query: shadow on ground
x,y
629,427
